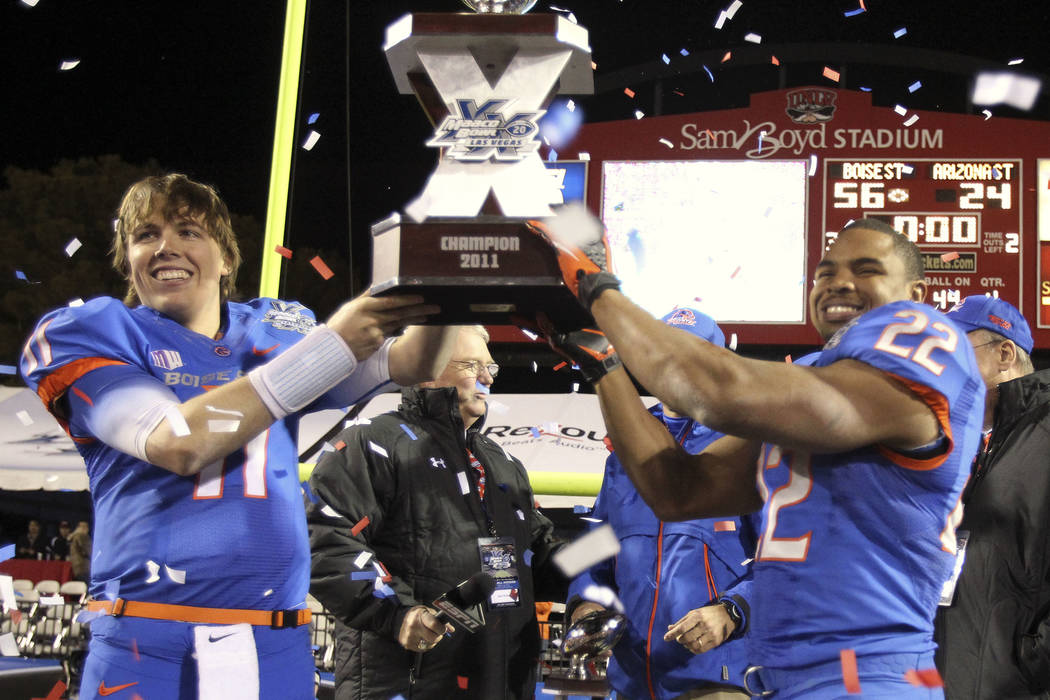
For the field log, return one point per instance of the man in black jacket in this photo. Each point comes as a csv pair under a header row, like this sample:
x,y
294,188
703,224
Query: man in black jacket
x,y
406,508
994,638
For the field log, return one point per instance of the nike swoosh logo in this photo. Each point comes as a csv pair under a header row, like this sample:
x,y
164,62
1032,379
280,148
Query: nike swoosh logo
x,y
257,351
103,690
213,638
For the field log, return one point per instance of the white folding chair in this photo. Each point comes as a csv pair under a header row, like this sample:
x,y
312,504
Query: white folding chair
x,y
22,584
74,591
47,587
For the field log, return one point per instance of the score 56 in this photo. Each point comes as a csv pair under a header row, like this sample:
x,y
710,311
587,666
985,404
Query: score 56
x,y
869,195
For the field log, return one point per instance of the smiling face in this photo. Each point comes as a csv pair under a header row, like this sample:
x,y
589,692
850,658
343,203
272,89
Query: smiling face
x,y
862,270
472,389
175,267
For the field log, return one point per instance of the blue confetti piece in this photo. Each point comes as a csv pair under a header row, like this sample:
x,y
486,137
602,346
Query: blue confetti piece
x,y
309,491
408,432
580,509
111,590
552,156
86,617
535,432
865,89
362,575
915,86
7,552
666,60
482,388
527,556
709,74
900,32
383,591
21,275
684,52
313,117
280,473
854,13
8,369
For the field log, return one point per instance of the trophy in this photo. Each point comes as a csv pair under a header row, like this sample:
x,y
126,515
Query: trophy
x,y
484,80
584,641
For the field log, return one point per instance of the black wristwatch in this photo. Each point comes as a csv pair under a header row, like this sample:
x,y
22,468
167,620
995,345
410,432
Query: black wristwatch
x,y
734,614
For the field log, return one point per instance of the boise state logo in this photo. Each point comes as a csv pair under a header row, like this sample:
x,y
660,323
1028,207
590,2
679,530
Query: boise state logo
x,y
682,317
289,316
811,105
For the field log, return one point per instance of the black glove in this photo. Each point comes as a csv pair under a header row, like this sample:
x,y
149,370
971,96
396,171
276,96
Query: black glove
x,y
589,349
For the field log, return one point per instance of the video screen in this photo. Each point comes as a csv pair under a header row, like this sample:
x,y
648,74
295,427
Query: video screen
x,y
728,237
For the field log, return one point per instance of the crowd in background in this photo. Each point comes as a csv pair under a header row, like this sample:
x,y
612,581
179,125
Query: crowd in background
x,y
67,544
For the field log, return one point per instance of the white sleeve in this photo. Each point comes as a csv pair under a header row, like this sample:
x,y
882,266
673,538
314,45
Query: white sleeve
x,y
125,414
369,378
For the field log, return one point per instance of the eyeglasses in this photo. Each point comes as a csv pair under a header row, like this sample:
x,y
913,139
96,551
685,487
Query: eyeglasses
x,y
475,366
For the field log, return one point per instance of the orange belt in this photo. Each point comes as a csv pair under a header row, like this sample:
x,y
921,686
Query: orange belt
x,y
206,616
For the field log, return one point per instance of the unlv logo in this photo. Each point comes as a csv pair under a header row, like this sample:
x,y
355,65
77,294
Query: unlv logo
x,y
811,105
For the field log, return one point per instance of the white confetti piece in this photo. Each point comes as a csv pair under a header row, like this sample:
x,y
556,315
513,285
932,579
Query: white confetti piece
x,y
575,387
1015,62
638,114
223,426
30,3
583,155
464,484
8,645
52,600
72,247
667,143
590,519
582,553
535,367
901,110
23,418
176,421
528,334
753,38
1006,88
70,64
732,342
176,575
154,571
362,559
521,516
722,17
813,165
603,596
900,32
571,106
311,140
329,511
911,120
225,411
74,303
907,169
267,593
987,114
7,592
731,12
377,449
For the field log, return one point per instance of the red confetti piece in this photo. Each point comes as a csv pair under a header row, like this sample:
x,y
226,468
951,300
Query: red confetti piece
x,y
594,66
339,445
16,616
948,257
322,269
83,396
56,691
560,365
787,359
629,92
135,649
831,74
679,93
729,54
775,60
282,251
608,443
361,525
850,679
710,134
385,578
926,677
735,272
862,6
461,681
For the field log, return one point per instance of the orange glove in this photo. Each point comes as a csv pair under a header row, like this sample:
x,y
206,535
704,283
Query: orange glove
x,y
579,240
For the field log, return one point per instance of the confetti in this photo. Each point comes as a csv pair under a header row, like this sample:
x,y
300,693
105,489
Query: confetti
x,y
753,38
948,257
865,89
1006,88
571,106
813,165
1015,62
322,269
831,74
665,58
907,170
787,359
774,60
915,86
154,571
535,367
311,140
283,252
329,511
731,11
926,677
408,431
583,155
679,93
911,120
52,600
728,55
362,559
223,426
72,247
527,556
732,342
339,445
684,52
900,109
709,73
176,421
735,272
667,143
519,512
482,388
462,682
30,3
853,13
21,275
575,387
464,484
176,575
135,649
24,418
552,156
528,334
987,114
582,553
313,118
605,597
363,575
381,451
629,92
722,17
638,114
359,526
56,691
7,552
70,64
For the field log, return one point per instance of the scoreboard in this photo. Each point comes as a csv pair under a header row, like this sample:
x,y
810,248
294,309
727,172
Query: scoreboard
x,y
731,210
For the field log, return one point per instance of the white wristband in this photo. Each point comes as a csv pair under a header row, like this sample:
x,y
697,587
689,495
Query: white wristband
x,y
299,376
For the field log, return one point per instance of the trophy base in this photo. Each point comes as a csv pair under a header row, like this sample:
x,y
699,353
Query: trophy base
x,y
487,270
563,685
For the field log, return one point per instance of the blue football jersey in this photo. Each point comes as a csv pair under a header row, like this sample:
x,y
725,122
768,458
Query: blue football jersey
x,y
854,547
233,535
